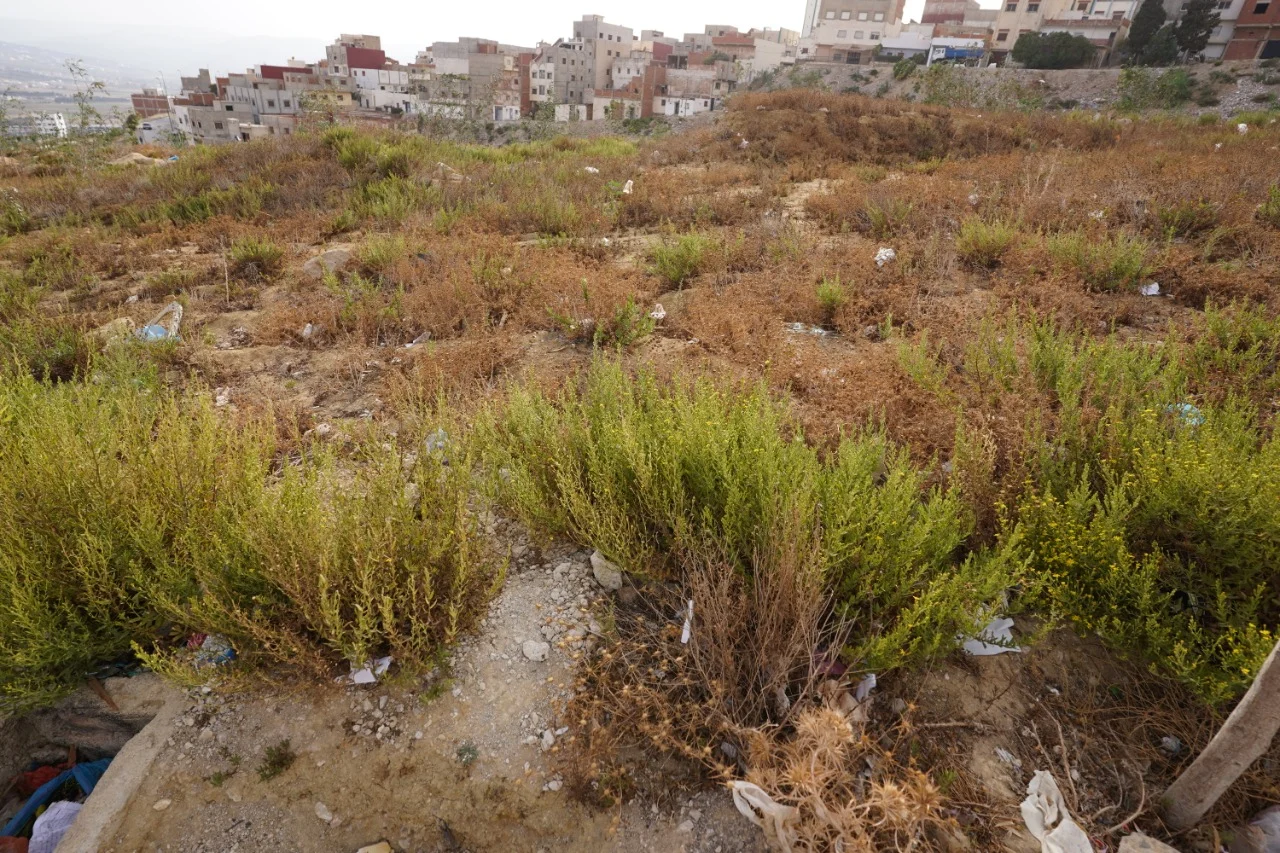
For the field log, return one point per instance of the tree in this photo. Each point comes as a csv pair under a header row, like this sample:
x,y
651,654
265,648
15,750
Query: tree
x,y
131,123
86,89
1146,24
1243,738
1197,24
1162,50
1052,50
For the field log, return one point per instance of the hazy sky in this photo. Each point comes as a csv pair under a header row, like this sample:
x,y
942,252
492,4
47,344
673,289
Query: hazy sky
x,y
404,26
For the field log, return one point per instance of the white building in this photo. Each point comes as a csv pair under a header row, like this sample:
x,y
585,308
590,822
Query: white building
x,y
157,129
41,124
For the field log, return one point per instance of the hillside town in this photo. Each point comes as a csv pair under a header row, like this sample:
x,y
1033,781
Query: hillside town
x,y
608,71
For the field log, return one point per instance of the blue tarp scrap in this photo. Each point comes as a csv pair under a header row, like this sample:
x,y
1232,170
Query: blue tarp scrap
x,y
86,776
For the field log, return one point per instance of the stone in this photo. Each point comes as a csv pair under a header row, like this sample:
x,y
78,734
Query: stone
x,y
380,847
322,812
548,739
205,735
331,261
606,573
686,827
161,805
554,785
535,650
1139,843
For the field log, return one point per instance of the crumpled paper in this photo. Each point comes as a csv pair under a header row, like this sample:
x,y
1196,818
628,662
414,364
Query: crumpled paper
x,y
773,818
1045,814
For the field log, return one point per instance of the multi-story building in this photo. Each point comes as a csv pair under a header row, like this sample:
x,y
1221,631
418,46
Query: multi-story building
x,y
348,51
1257,31
149,102
947,11
1103,22
39,124
1228,13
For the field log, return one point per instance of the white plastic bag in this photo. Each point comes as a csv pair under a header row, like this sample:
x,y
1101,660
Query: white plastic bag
x,y
1045,814
773,818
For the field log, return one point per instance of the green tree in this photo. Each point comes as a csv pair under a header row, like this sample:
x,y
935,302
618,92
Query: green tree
x,y
1052,50
1146,24
87,114
1196,26
131,123
1162,50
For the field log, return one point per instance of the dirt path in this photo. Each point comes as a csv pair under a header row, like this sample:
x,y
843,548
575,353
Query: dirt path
x,y
391,762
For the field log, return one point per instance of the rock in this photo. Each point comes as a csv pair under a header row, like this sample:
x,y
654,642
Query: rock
x,y
322,812
161,805
548,739
686,827
1139,843
331,261
380,847
536,651
898,706
206,735
606,573
555,785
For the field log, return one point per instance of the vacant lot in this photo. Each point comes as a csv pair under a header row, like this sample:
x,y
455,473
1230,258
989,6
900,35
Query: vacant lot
x,y
853,376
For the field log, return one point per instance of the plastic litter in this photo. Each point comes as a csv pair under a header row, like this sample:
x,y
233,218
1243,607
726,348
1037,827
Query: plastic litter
x,y
802,329
773,818
308,330
865,686
627,187
86,776
885,255
369,673
1264,831
591,170
437,441
1242,128
420,339
995,639
1186,413
743,144
658,312
52,825
1008,757
1152,289
211,650
1046,816
163,326
1097,215
687,631
1170,745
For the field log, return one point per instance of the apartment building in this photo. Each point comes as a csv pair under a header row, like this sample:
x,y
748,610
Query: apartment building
x,y
149,102
868,17
1257,31
354,51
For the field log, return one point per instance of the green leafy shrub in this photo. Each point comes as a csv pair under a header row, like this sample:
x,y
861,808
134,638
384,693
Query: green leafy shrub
x,y
1141,89
1108,263
904,68
1053,50
832,295
884,218
125,509
380,252
258,256
653,475
1269,210
982,243
1188,217
675,262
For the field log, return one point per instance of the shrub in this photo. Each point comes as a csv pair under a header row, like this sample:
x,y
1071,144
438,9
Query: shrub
x,y
1109,263
884,218
1140,89
675,262
653,475
128,513
1188,217
984,243
832,296
1269,210
904,68
379,253
255,256
1053,50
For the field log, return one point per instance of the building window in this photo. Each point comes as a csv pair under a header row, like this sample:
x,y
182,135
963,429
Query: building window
x,y
287,104
1119,16
875,36
1033,7
270,102
1003,35
217,125
857,34
230,108
844,16
1012,6
286,131
1261,8
830,16
842,34
862,16
878,16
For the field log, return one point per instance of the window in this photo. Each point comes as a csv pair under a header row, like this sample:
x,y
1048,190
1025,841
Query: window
x,y
862,16
857,34
217,125
842,34
830,16
844,16
1033,7
230,108
270,102
1117,16
878,16
1003,35
1261,8
286,131
875,36
1011,7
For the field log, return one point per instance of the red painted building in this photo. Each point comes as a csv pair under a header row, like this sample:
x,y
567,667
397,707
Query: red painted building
x,y
1257,32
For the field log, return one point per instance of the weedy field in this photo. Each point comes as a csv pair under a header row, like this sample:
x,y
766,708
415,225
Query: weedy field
x,y
1053,396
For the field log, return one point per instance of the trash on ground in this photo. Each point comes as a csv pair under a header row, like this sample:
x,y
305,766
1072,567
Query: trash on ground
x,y
1152,289
658,312
420,339
1097,215
308,330
1242,128
211,650
804,329
743,144
1188,414
591,170
865,686
52,825
1262,834
687,631
1170,745
108,334
369,673
1140,843
995,639
438,441
774,819
163,326
85,775
627,187
1008,758
1046,816
885,255
380,847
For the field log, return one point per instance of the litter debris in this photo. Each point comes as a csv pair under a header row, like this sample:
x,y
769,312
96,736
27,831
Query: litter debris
x,y
627,187
445,172
380,847
743,144
606,242
802,329
974,198
52,825
85,775
1217,146
885,255
1262,834
1008,758
368,674
1242,128
437,441
1045,814
133,297
1152,289
757,806
1187,414
658,312
1141,843
865,686
163,326
1170,745
995,639
420,339
221,397
1097,215
591,170
109,334
687,631
211,649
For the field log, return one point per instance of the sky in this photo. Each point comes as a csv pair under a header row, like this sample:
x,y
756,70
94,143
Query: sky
x,y
233,34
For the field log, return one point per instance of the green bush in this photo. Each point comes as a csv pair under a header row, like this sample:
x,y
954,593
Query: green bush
x,y
1188,218
675,262
257,253
656,474
1053,50
1109,263
832,295
904,68
984,243
1269,210
129,515
1141,89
